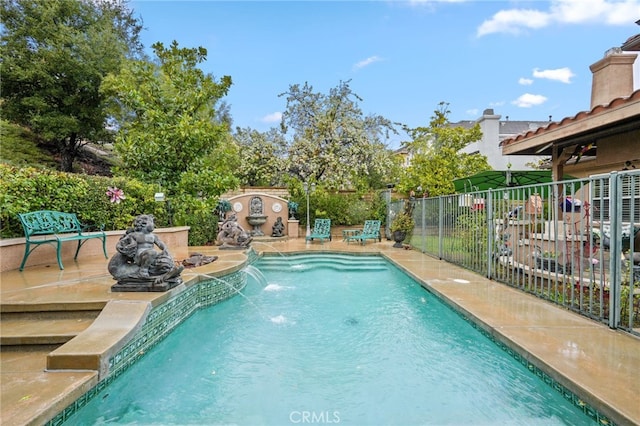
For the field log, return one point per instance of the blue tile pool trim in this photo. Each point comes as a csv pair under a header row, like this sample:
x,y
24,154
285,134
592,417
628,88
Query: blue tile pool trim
x,y
594,414
160,322
590,411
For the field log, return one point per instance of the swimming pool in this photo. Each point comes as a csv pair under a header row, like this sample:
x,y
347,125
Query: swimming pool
x,y
329,339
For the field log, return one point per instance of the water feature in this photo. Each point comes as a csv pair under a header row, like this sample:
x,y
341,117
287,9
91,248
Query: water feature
x,y
256,274
364,347
256,217
284,257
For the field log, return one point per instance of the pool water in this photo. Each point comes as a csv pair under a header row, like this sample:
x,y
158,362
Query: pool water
x,y
329,339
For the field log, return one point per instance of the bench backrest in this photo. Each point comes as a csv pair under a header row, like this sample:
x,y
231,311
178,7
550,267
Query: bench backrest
x,y
49,222
322,227
371,227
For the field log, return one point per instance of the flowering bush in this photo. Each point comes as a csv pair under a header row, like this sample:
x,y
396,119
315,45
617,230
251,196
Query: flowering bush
x,y
116,195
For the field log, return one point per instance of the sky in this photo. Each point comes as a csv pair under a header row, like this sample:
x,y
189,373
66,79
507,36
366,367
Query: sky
x,y
526,60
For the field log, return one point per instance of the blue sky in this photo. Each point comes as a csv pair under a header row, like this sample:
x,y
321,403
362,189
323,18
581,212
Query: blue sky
x,y
525,59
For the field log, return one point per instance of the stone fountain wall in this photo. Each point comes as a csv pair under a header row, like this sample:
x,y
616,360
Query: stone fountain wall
x,y
272,207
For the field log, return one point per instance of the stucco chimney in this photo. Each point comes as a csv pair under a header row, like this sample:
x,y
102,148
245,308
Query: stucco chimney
x,y
612,77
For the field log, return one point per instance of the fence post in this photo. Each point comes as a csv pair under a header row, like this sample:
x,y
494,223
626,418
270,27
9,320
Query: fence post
x,y
440,224
423,226
491,232
615,248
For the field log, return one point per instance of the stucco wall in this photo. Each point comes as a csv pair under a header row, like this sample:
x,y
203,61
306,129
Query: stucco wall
x,y
613,152
272,207
12,249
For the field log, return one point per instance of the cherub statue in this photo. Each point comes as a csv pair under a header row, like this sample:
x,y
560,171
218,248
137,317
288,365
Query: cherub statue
x,y
232,235
278,228
137,266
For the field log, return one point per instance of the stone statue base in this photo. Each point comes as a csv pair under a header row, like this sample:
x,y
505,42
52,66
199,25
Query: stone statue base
x,y
226,246
159,283
146,287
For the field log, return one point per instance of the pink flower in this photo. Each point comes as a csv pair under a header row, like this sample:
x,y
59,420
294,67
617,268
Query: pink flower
x,y
594,261
115,194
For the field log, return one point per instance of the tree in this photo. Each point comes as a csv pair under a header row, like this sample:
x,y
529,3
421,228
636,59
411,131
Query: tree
x,y
54,57
333,142
263,157
437,159
169,130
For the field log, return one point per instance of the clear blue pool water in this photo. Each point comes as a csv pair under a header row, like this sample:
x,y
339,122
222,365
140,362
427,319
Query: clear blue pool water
x,y
329,339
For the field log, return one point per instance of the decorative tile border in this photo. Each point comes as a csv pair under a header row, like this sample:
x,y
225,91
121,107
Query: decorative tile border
x,y
593,413
160,322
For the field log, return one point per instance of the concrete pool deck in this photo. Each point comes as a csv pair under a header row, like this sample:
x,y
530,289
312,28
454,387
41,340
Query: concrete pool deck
x,y
600,365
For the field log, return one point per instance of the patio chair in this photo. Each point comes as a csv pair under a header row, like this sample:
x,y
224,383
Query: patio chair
x,y
370,231
321,230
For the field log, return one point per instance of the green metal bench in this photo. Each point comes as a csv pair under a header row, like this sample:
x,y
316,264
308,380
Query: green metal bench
x,y
52,227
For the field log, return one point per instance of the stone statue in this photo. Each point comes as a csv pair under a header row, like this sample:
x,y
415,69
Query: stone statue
x,y
232,236
278,228
137,266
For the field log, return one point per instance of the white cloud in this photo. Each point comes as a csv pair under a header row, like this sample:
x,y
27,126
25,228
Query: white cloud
x,y
528,100
370,60
512,21
525,81
563,75
274,117
515,21
472,112
607,11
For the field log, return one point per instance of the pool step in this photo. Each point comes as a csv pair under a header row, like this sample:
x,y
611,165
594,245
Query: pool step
x,y
43,328
330,261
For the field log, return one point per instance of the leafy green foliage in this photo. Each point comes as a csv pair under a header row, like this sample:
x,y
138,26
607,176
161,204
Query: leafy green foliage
x,y
169,130
437,159
403,221
28,189
343,208
198,213
55,55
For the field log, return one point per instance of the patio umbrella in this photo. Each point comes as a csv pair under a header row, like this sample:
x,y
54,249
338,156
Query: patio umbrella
x,y
497,179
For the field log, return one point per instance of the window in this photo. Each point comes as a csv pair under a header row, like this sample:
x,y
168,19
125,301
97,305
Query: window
x,y
601,197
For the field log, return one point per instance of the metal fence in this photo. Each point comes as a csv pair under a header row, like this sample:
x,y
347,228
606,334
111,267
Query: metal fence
x,y
575,243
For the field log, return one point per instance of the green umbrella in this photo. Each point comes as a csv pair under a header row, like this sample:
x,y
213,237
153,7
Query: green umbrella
x,y
499,179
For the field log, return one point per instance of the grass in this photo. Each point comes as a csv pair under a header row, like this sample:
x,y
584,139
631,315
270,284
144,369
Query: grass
x,y
20,148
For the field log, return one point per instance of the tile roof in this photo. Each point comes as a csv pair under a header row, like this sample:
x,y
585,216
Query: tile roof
x,y
507,127
633,114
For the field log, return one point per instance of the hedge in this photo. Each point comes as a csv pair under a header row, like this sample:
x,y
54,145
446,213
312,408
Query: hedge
x,y
26,189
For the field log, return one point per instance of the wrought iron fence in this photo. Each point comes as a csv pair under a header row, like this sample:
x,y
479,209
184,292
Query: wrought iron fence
x,y
575,243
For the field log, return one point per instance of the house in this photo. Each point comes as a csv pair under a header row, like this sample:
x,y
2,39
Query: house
x,y
494,131
604,138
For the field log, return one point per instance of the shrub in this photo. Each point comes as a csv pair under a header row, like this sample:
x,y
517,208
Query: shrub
x,y
342,209
28,189
197,213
